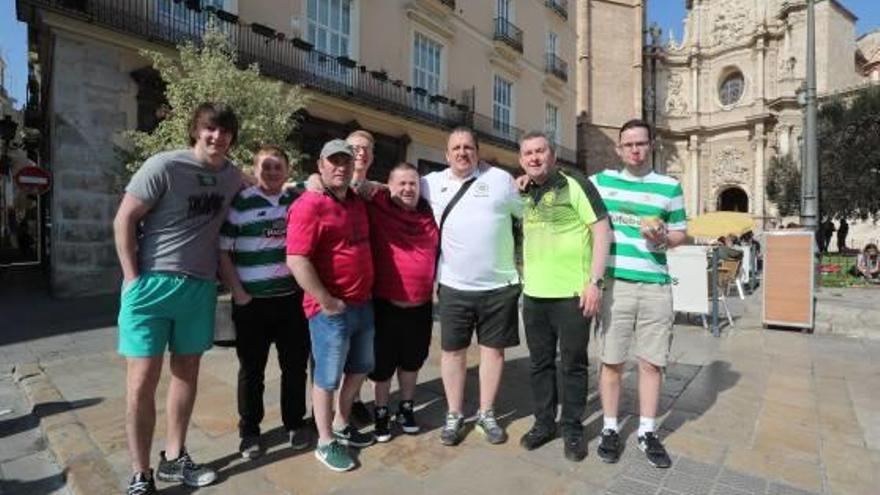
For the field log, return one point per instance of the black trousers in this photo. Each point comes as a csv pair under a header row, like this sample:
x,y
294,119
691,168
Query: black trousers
x,y
257,325
548,323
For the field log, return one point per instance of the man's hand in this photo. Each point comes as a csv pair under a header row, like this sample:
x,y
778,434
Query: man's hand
x,y
314,184
591,298
332,306
522,182
241,298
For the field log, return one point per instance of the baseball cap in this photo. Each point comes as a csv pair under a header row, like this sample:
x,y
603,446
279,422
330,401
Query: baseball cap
x,y
336,146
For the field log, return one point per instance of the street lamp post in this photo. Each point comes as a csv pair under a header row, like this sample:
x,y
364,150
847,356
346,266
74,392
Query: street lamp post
x,y
654,51
810,192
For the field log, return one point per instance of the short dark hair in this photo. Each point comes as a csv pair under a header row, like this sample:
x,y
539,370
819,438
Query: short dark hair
x,y
403,167
467,130
536,135
211,113
634,124
271,150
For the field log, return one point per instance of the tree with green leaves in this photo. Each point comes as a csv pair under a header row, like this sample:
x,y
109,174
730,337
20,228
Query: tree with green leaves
x,y
208,72
849,161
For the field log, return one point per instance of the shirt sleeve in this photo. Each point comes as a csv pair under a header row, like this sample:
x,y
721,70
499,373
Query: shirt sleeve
x,y
514,199
228,232
676,219
302,227
150,182
587,203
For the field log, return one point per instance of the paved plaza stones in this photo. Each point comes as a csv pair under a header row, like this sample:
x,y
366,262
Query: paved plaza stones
x,y
754,412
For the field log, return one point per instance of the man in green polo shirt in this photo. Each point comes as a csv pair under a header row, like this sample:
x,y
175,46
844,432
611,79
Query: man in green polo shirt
x,y
566,238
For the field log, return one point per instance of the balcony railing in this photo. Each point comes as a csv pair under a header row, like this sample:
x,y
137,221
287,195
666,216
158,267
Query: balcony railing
x,y
558,6
507,32
556,66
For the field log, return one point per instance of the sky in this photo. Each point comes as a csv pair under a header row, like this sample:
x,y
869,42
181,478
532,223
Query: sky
x,y
670,14
667,13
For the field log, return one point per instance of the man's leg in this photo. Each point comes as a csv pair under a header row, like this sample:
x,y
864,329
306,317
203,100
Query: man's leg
x,y
351,384
541,340
650,381
291,338
609,388
453,370
407,381
142,378
252,348
322,405
491,369
574,335
181,397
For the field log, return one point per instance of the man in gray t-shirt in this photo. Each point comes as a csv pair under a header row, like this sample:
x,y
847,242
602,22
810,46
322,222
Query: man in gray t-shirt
x,y
166,233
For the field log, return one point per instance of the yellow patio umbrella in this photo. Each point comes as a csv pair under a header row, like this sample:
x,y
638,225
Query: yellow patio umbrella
x,y
719,223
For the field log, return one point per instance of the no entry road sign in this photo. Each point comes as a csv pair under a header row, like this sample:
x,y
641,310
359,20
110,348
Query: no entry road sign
x,y
33,180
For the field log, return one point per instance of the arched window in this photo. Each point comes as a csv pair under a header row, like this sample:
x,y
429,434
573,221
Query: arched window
x,y
732,88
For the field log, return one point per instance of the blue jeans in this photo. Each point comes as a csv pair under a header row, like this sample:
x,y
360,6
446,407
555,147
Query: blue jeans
x,y
342,342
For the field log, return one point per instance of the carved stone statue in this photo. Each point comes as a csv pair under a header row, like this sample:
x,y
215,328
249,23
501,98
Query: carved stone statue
x,y
730,22
730,167
786,67
676,103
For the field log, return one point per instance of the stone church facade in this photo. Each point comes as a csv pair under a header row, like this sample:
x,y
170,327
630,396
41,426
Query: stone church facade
x,y
727,94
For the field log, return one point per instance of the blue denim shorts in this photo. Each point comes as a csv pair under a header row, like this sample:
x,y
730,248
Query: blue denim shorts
x,y
342,343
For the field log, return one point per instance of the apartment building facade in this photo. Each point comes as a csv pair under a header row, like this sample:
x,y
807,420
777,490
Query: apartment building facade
x,y
406,70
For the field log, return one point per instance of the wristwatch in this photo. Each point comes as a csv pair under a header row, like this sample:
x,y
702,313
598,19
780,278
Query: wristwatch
x,y
599,283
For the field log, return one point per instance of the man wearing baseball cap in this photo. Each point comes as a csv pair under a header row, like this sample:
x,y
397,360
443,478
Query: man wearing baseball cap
x,y
328,251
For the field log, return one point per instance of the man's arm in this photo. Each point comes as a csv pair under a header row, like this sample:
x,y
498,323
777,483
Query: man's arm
x,y
591,296
129,214
230,278
307,277
676,238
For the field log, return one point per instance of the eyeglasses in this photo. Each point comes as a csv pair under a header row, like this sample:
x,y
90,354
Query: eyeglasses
x,y
632,146
357,147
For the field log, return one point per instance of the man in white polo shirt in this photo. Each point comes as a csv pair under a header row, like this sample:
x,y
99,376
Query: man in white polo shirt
x,y
479,285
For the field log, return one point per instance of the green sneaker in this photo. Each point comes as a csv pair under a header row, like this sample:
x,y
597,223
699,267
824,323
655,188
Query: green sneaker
x,y
335,456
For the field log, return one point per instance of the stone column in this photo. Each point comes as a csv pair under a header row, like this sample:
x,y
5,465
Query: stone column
x,y
761,48
693,197
784,140
695,85
759,141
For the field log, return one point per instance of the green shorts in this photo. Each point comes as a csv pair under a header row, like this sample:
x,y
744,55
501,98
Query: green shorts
x,y
159,310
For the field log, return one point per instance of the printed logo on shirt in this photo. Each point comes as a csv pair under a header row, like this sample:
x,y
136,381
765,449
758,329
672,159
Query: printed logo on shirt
x,y
624,219
204,204
481,190
278,229
207,180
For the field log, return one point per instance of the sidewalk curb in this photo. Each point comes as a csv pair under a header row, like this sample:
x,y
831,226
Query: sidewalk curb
x,y
85,469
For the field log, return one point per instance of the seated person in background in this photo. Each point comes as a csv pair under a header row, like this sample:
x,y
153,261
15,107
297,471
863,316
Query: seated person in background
x,y
726,249
867,264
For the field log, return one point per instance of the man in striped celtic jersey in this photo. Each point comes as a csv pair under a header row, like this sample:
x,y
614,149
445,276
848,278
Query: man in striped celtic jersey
x,y
647,215
267,302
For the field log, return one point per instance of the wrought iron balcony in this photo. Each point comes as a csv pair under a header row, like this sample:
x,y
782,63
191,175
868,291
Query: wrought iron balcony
x,y
507,32
556,66
558,6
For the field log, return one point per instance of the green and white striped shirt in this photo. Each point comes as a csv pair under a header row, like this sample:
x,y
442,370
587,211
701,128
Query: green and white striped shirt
x,y
255,233
628,200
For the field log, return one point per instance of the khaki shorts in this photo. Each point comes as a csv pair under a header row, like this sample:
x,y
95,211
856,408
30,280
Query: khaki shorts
x,y
640,311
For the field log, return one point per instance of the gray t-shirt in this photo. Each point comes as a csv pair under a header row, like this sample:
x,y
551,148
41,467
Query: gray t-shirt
x,y
188,204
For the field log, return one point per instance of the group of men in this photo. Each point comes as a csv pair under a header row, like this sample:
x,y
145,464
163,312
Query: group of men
x,y
342,275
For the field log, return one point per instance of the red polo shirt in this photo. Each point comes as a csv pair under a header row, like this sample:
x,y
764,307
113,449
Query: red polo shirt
x,y
334,234
404,249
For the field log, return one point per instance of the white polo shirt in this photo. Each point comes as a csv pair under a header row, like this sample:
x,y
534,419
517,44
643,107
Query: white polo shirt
x,y
477,240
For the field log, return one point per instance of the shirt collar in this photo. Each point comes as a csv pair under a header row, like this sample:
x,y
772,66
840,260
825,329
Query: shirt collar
x,y
554,182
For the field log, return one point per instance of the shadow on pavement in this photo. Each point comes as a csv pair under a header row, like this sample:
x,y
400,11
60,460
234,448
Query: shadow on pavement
x,y
49,484
10,427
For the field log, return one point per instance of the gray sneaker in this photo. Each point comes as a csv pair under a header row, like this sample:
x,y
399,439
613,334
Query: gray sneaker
x,y
335,456
184,470
300,438
488,426
453,431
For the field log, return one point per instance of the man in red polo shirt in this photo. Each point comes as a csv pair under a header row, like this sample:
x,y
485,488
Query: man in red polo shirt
x,y
404,238
328,251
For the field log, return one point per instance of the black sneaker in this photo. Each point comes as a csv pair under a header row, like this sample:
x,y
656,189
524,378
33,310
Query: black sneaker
x,y
299,438
360,414
251,447
453,431
654,450
352,437
184,470
382,430
406,418
574,447
609,447
142,484
537,436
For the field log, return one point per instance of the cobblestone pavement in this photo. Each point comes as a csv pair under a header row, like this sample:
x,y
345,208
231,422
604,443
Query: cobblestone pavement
x,y
753,412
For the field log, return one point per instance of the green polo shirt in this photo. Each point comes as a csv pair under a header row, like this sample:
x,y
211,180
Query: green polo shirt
x,y
557,242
